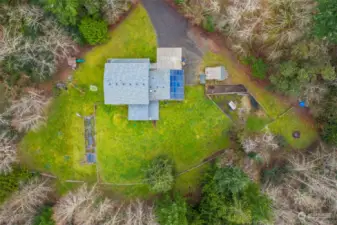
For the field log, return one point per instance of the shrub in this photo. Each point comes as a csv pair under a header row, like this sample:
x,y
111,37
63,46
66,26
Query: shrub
x,y
159,175
208,24
171,211
178,2
325,25
259,68
45,217
230,179
11,182
94,31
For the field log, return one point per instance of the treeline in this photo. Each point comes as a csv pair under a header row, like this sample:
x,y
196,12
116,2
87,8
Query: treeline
x,y
292,43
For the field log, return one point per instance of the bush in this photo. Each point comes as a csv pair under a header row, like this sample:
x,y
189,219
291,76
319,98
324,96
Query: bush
x,y
208,24
94,31
44,217
159,175
325,25
274,175
230,179
171,211
11,182
259,68
178,2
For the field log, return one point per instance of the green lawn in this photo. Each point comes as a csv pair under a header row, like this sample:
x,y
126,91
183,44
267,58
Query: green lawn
x,y
187,131
288,123
273,105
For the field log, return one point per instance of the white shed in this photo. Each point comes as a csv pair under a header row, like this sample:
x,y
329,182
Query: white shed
x,y
216,73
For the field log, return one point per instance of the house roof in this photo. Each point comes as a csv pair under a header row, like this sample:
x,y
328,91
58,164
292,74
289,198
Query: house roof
x,y
169,58
159,82
126,81
216,73
144,112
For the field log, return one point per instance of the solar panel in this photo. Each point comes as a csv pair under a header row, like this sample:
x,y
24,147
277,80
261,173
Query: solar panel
x,y
177,85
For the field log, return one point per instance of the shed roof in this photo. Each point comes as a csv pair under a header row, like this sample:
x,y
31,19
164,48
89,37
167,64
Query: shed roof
x,y
144,112
169,58
126,81
159,85
216,73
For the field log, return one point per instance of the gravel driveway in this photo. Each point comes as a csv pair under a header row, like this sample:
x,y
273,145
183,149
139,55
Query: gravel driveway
x,y
172,31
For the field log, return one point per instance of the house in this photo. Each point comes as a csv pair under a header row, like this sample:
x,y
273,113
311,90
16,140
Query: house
x,y
216,73
141,85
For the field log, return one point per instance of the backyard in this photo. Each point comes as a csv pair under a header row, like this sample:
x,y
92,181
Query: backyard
x,y
187,131
283,120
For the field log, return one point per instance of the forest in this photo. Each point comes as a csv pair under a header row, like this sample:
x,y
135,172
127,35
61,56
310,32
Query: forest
x,y
289,45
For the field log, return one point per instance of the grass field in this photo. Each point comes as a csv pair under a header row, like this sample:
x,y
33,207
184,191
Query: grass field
x,y
273,105
187,131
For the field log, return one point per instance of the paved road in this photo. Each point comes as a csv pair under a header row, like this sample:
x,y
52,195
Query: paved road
x,y
172,31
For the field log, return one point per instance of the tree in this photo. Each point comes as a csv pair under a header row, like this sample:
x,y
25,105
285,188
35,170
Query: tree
x,y
325,25
223,204
113,9
171,211
22,206
94,31
7,153
259,68
29,111
66,11
159,175
86,206
230,179
315,201
11,182
44,217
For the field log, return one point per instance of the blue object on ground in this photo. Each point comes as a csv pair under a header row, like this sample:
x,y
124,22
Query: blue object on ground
x,y
302,104
202,78
80,60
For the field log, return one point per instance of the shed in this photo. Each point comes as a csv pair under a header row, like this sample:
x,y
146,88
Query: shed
x,y
216,73
232,105
169,58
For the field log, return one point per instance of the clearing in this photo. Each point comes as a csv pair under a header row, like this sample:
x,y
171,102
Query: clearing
x,y
188,131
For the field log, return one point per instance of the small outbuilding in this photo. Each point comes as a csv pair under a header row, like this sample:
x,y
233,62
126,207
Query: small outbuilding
x,y
232,105
216,73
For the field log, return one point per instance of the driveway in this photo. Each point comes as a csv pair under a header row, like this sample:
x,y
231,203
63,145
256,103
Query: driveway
x,y
172,30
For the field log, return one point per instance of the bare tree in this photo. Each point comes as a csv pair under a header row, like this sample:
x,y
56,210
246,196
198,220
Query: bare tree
x,y
22,206
28,112
43,51
308,195
266,141
86,207
7,153
66,208
113,9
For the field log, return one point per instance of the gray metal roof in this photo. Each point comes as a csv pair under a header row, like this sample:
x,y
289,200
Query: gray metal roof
x,y
126,81
159,85
144,112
